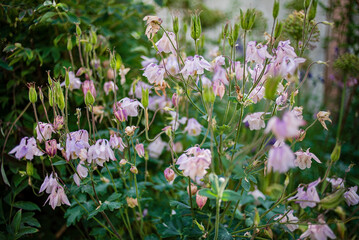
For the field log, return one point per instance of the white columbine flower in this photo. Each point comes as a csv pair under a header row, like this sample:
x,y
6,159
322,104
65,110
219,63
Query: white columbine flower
x,y
255,121
304,159
195,66
44,131
100,152
193,127
27,148
351,196
165,44
290,219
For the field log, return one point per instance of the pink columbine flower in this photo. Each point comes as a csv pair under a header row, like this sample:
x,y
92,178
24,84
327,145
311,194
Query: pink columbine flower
x,y
351,196
194,162
319,231
109,86
284,49
75,142
27,148
304,159
289,65
195,66
129,105
82,172
44,131
58,197
193,127
176,121
171,65
117,142
255,121
169,174
58,122
201,200
138,89
280,158
49,183
219,89
75,83
308,198
155,74
156,147
146,61
290,219
175,100
165,44
286,128
220,75
88,85
140,150
238,70
51,147
257,53
153,25
336,183
257,94
100,152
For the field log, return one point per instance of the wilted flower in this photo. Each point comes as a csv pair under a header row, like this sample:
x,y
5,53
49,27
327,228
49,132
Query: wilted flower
x,y
169,174
290,219
255,121
194,189
140,149
319,231
110,74
117,142
153,25
304,159
100,152
194,162
200,200
286,128
27,148
134,169
165,44
131,202
336,183
88,85
44,131
280,158
58,122
322,117
75,142
98,111
298,112
123,72
51,147
195,66
130,130
193,127
109,86
351,197
156,147
308,198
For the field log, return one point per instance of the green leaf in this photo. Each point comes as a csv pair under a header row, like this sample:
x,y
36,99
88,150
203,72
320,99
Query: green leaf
x,y
73,215
178,204
206,192
73,18
58,163
57,39
26,205
229,195
46,16
26,230
246,184
3,174
16,221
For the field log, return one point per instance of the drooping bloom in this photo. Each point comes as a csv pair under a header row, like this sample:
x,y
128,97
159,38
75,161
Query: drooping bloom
x,y
220,75
120,114
257,94
169,174
88,85
130,130
109,86
129,105
280,158
336,183
304,159
166,43
100,152
351,196
319,231
153,25
322,117
200,200
289,65
257,53
171,65
308,198
146,61
156,147
82,172
44,131
117,142
193,127
140,149
131,202
284,49
298,112
27,148
49,183
219,89
255,120
194,162
286,128
58,122
155,74
195,66
51,147
58,197
75,142
290,219
193,191
75,83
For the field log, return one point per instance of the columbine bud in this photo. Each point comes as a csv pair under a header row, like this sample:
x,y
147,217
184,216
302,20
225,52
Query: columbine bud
x,y
121,115
67,79
41,95
80,71
278,29
123,162
58,122
175,24
306,3
134,169
312,10
193,189
140,149
168,130
130,130
93,37
169,174
145,96
257,218
336,152
51,100
60,99
201,200
322,116
32,93
175,100
88,85
235,33
196,28
78,30
275,9
69,43
29,168
208,95
89,99
131,202
51,147
247,19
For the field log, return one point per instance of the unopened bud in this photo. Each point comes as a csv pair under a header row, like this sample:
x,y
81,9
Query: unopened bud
x,y
131,202
89,99
208,95
257,218
196,28
175,24
312,10
67,79
29,168
121,115
201,200
41,95
175,100
278,29
169,174
145,96
69,43
58,122
78,30
193,189
275,9
336,152
134,169
123,162
32,93
51,147
130,130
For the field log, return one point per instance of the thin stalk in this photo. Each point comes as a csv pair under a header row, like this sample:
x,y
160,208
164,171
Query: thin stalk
x,y
190,199
113,182
216,231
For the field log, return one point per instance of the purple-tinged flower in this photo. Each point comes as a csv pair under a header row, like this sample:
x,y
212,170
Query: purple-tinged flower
x,y
88,85
100,152
284,50
256,72
286,128
44,131
82,172
156,147
220,75
195,66
171,65
140,150
351,196
257,53
336,183
257,94
27,148
289,220
129,105
109,86
51,147
58,122
123,162
289,65
298,112
117,142
165,44
49,183
155,74
319,231
282,98
193,127
280,158
159,102
201,200
75,142
238,70
218,61
75,83
169,174
308,198
219,89
121,114
138,89
255,121
146,61
304,159
175,100
58,197
194,162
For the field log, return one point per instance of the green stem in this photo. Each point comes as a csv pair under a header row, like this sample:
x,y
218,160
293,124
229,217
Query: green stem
x,y
113,182
218,203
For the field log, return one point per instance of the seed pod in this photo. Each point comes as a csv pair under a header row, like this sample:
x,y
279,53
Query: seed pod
x,y
336,152
32,93
275,9
89,99
29,168
175,25
69,43
78,30
145,96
